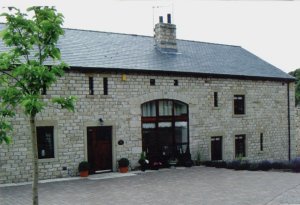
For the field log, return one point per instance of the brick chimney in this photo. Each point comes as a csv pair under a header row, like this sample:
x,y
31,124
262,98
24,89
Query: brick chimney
x,y
165,35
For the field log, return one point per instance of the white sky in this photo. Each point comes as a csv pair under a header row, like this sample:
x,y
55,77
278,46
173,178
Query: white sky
x,y
269,29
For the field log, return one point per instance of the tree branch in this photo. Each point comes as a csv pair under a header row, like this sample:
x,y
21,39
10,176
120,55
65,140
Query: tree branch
x,y
26,56
22,84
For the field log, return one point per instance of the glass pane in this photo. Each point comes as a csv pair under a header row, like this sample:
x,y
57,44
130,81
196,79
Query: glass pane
x,y
148,125
181,149
165,108
149,109
164,124
150,143
180,109
165,141
45,142
181,132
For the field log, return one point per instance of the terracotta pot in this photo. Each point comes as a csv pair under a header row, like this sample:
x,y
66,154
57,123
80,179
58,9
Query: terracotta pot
x,y
123,169
84,173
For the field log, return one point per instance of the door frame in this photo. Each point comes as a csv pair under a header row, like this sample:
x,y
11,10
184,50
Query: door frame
x,y
96,123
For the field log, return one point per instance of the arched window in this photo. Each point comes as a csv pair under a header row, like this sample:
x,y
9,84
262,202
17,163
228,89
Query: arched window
x,y
165,132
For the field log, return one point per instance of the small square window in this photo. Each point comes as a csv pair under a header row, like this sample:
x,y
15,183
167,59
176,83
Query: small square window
x,y
239,104
215,99
105,86
91,86
175,82
261,141
152,82
44,90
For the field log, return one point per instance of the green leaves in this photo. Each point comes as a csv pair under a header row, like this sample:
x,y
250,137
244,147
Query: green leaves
x,y
5,127
32,104
66,103
23,73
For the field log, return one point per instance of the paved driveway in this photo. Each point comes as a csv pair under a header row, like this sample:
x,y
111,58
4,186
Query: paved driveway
x,y
196,185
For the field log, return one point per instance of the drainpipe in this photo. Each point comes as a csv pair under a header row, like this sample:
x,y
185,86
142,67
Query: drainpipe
x,y
289,120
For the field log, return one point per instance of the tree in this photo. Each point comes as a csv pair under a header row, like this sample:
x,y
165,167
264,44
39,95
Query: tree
x,y
31,65
296,74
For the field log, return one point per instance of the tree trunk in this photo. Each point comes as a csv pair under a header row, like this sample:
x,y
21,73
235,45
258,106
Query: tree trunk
x,y
35,198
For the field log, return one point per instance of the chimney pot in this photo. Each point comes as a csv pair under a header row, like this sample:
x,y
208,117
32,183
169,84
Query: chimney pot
x,y
161,19
169,18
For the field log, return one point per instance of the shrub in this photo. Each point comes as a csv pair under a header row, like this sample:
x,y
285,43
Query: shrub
x,y
220,164
198,159
213,163
287,165
244,165
123,162
236,164
265,165
296,164
208,163
278,165
253,166
83,166
229,165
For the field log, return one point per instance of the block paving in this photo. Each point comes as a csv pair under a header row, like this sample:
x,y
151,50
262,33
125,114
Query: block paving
x,y
188,186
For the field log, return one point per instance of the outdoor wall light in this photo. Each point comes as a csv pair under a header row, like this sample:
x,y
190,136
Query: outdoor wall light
x,y
101,121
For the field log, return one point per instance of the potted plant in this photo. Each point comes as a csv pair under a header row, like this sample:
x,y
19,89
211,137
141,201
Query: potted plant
x,y
172,162
123,165
83,168
198,159
156,165
143,161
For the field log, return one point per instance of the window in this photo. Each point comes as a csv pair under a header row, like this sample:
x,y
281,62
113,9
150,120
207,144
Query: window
x,y
91,86
152,82
105,86
216,148
215,99
45,142
175,82
239,104
240,146
261,142
165,129
44,90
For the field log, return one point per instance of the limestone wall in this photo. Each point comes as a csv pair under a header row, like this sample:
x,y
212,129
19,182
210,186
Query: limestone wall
x,y
266,112
297,126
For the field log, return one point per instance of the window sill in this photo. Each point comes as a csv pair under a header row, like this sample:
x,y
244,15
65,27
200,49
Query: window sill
x,y
90,96
260,152
216,108
105,96
48,160
97,96
239,115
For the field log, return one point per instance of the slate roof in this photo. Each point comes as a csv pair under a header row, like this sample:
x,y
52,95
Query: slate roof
x,y
104,50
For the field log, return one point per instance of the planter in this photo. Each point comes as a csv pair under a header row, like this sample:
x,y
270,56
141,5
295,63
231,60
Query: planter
x,y
84,173
123,169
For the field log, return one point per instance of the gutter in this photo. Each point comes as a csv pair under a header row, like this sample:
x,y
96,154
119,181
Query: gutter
x,y
178,73
289,121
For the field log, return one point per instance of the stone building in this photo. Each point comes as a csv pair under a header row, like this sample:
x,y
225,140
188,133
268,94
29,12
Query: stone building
x,y
160,95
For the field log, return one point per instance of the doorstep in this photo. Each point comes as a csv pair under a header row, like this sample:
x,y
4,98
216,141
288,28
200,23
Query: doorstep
x,y
110,175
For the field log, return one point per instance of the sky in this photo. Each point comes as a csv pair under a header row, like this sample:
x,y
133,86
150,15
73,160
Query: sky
x,y
268,29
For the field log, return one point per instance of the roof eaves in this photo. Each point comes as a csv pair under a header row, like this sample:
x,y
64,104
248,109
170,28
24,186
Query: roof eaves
x,y
182,73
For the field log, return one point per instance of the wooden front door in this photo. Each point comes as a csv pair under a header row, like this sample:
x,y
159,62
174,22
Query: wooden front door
x,y
216,148
99,148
